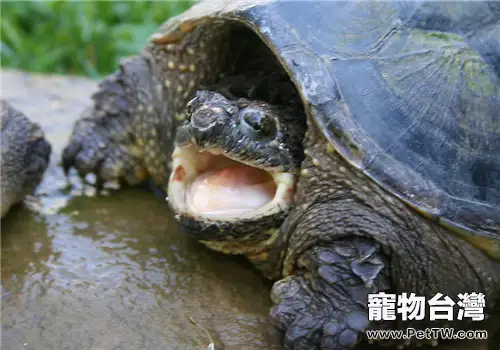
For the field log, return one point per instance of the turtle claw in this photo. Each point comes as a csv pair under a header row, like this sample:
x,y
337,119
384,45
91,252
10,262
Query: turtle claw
x,y
308,321
104,140
92,150
324,305
68,156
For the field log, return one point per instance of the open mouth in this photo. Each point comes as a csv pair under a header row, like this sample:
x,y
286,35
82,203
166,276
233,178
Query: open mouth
x,y
208,184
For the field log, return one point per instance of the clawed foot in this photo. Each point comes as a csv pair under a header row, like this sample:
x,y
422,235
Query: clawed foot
x,y
312,323
324,305
104,149
109,140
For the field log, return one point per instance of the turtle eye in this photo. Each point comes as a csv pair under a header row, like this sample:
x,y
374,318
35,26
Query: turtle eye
x,y
256,123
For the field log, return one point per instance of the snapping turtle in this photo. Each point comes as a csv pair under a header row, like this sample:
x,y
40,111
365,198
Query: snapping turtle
x,y
345,148
24,158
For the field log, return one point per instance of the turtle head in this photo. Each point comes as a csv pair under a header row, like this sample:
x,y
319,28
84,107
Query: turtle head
x,y
234,171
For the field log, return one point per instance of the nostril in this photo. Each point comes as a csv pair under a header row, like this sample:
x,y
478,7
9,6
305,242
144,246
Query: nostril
x,y
204,118
197,101
191,106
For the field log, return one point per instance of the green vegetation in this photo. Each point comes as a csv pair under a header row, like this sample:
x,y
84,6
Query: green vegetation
x,y
78,37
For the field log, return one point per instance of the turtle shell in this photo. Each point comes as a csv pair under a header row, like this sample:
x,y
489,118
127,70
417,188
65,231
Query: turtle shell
x,y
407,92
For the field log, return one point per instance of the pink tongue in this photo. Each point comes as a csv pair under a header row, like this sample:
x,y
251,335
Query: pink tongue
x,y
231,191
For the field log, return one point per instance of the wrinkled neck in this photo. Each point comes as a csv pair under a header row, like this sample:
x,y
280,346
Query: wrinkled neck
x,y
270,259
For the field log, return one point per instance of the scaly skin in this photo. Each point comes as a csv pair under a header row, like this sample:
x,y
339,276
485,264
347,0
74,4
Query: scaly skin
x,y
127,134
24,156
346,237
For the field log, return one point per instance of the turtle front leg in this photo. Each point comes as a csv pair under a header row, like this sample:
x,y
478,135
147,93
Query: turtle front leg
x,y
324,305
117,138
346,238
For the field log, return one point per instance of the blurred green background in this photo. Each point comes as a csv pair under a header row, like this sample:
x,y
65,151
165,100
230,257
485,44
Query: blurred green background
x,y
78,37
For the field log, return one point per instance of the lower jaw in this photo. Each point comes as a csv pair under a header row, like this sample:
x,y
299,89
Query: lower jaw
x,y
247,237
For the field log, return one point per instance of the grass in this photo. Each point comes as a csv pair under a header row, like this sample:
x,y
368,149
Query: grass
x,y
78,37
